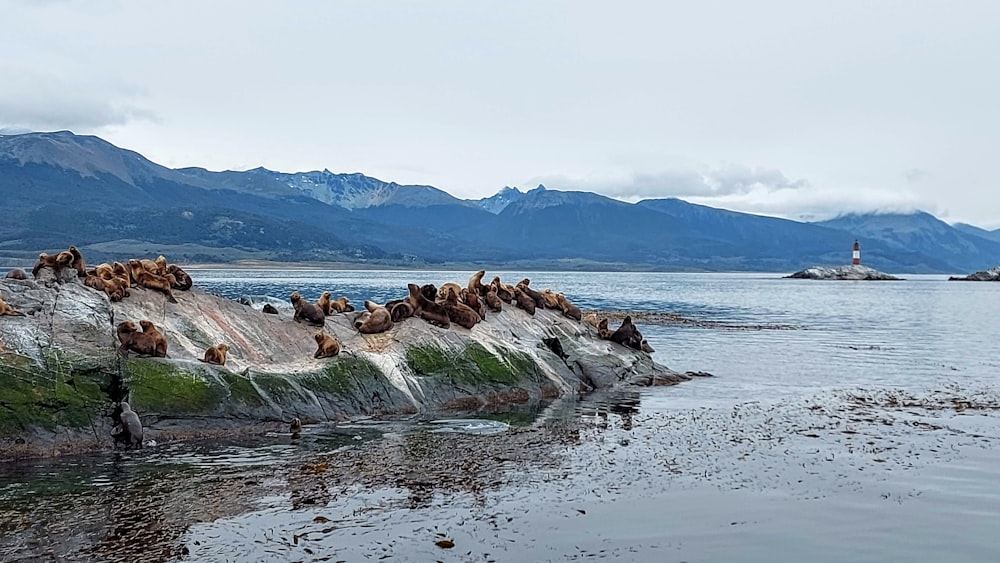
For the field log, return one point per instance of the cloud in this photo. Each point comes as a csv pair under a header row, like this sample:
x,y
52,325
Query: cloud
x,y
731,179
37,101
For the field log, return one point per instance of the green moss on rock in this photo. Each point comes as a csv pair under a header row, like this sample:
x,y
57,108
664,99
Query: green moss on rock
x,y
242,390
57,393
474,365
340,375
161,387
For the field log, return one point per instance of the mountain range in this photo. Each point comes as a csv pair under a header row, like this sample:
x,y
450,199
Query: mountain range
x,y
60,189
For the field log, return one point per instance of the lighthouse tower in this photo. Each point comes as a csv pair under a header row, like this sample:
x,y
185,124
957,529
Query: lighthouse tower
x,y
857,254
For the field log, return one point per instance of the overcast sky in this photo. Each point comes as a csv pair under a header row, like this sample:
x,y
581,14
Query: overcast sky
x,y
792,108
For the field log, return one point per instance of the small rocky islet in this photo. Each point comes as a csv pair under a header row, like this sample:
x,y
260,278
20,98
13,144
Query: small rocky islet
x,y
992,274
849,272
65,366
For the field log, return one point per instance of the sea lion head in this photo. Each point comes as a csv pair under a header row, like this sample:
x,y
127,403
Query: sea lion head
x,y
319,336
295,297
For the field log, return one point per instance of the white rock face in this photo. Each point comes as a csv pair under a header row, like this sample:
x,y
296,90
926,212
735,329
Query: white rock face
x,y
855,272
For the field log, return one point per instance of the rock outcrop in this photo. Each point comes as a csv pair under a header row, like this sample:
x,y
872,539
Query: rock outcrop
x,y
993,274
60,374
855,272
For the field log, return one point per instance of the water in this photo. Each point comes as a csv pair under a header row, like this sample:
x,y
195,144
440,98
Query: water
x,y
867,432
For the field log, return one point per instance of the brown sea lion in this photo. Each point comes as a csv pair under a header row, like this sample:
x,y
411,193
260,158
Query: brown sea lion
x,y
16,274
7,310
503,290
551,300
116,288
603,332
426,309
380,320
568,309
150,266
361,318
216,355
324,303
56,263
524,301
295,428
591,319
341,305
476,283
182,280
78,263
161,342
493,302
146,343
534,295
269,309
449,286
327,346
628,335
161,265
149,280
305,311
106,271
399,310
458,312
429,291
474,301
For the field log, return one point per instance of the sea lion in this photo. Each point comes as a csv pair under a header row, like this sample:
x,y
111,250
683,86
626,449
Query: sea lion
x,y
56,263
161,265
182,280
503,292
537,297
324,303
150,266
400,310
306,312
131,425
327,346
380,320
148,342
78,263
16,274
7,310
568,309
361,318
474,302
269,309
427,309
295,428
145,278
458,312
628,335
476,283
115,288
106,271
342,305
550,298
216,355
555,345
524,301
493,301
429,291
603,332
449,286
591,319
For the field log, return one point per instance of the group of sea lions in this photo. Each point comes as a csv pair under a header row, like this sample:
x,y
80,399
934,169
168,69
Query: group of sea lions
x,y
627,334
114,279
444,306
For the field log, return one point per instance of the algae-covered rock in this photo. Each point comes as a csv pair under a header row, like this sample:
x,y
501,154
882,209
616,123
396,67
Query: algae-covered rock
x,y
60,373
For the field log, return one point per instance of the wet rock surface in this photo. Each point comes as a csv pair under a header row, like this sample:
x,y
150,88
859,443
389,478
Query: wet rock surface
x,y
851,272
62,373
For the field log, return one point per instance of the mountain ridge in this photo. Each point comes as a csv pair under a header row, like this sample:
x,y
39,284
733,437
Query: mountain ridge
x,y
321,215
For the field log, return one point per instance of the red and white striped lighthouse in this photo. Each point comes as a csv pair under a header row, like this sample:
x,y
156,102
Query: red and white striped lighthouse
x,y
857,254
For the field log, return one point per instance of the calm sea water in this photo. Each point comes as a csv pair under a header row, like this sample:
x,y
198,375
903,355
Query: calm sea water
x,y
865,429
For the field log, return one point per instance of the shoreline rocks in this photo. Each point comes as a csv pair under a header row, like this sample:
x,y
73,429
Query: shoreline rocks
x,y
849,272
993,274
60,375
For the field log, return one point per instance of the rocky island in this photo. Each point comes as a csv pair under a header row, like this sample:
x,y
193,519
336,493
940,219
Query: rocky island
x,y
993,274
855,272
62,376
